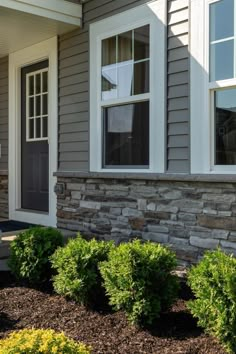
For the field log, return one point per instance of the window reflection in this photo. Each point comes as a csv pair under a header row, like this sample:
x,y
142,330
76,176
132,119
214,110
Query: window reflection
x,y
221,20
125,64
225,127
222,61
126,135
222,40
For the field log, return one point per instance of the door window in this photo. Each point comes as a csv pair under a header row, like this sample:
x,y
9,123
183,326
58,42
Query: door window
x,y
37,105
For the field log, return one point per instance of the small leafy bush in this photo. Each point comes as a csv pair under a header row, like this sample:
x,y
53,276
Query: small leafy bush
x,y
213,282
30,252
137,278
39,341
76,264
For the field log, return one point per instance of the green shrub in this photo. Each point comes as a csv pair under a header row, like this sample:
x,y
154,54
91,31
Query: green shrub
x,y
137,278
30,252
76,264
213,282
39,341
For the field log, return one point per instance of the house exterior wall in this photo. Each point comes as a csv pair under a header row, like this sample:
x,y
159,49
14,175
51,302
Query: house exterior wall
x,y
190,214
74,86
4,137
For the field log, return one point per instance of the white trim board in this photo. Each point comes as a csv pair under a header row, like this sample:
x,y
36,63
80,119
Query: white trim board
x,y
199,102
60,10
17,60
154,14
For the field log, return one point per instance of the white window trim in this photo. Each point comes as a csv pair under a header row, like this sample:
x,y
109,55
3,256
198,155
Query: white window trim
x,y
201,101
17,60
153,14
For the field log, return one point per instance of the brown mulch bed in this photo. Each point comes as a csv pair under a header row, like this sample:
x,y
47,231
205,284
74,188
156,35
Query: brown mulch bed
x,y
107,332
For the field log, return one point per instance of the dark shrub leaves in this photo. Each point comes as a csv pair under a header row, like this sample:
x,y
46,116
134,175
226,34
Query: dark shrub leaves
x,y
137,278
213,282
77,267
30,252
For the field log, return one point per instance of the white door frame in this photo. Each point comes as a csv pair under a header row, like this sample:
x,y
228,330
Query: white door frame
x,y
17,60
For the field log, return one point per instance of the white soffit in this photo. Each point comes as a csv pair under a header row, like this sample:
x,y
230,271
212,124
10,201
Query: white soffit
x,y
27,22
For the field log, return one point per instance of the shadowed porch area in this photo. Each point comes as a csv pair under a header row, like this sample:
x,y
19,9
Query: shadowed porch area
x,y
26,22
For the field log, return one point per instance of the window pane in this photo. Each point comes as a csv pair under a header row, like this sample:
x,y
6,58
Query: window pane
x,y
38,105
222,61
141,77
125,47
109,82
221,20
109,51
45,127
225,127
45,81
31,85
31,129
31,107
38,83
126,135
45,104
38,128
141,43
125,76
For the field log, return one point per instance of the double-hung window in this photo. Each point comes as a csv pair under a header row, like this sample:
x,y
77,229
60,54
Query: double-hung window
x,y
213,85
127,62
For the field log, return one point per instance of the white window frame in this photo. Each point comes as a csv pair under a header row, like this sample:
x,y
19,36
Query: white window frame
x,y
202,93
153,14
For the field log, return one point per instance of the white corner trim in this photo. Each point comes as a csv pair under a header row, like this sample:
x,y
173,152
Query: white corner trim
x,y
200,124
17,60
60,10
154,14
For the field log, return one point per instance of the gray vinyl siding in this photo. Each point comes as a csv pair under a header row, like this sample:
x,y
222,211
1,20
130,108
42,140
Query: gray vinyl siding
x,y
74,86
178,87
4,113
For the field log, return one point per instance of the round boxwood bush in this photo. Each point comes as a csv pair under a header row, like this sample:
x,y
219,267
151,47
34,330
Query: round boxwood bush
x,y
76,265
30,252
213,282
39,341
138,279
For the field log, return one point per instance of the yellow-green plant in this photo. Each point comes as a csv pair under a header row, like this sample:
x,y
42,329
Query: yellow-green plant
x,y
40,341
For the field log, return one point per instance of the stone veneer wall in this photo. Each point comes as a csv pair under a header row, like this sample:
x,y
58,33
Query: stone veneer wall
x,y
3,196
189,216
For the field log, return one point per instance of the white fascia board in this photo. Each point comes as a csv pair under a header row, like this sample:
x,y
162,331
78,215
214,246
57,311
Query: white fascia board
x,y
59,10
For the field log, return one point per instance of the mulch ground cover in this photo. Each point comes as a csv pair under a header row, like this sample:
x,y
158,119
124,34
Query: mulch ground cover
x,y
107,332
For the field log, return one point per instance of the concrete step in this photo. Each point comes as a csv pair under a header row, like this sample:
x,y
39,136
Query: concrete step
x,y
4,250
3,265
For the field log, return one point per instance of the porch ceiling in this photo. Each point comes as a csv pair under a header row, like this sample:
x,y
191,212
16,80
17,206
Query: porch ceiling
x,y
27,22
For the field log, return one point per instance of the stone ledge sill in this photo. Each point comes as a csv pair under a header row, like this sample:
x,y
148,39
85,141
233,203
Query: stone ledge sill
x,y
213,178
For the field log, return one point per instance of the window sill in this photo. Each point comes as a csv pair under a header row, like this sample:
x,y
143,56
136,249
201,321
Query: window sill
x,y
212,178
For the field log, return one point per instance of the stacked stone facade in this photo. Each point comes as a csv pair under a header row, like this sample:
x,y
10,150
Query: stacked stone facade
x,y
190,217
3,196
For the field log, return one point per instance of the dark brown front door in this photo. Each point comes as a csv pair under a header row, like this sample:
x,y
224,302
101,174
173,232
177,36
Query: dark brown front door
x,y
34,137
